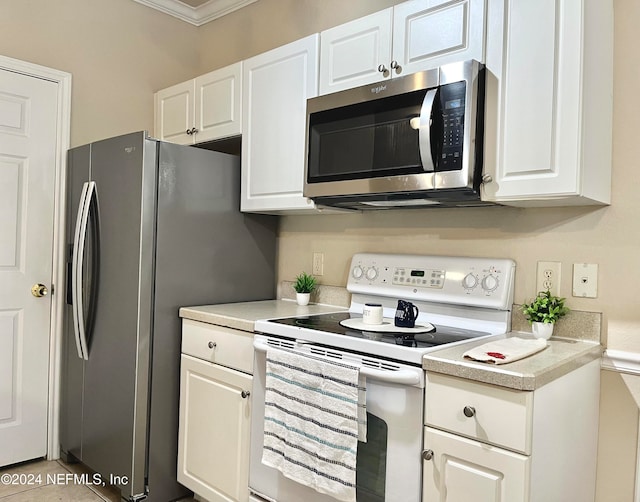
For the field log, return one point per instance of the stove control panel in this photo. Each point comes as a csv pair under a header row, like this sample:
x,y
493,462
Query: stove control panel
x,y
482,282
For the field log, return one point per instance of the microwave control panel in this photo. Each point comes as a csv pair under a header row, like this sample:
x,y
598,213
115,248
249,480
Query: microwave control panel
x,y
452,105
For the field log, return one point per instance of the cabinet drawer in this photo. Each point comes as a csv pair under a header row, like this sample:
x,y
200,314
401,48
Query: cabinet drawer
x,y
229,347
499,416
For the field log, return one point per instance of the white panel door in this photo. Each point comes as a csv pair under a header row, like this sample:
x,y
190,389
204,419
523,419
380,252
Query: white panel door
x,y
174,109
28,115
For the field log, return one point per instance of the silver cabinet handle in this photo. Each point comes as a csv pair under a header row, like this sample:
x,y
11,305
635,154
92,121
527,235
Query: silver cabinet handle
x,y
245,394
212,345
382,68
469,411
395,66
427,454
191,131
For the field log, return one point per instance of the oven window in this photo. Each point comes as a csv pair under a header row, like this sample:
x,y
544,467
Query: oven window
x,y
371,462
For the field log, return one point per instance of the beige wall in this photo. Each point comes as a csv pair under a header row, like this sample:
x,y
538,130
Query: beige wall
x,y
267,24
120,52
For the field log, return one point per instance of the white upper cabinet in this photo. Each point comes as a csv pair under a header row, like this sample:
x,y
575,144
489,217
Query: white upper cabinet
x,y
276,85
549,103
206,108
174,113
410,37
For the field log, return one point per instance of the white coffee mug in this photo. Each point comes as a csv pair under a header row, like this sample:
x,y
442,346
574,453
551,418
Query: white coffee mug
x,y
372,313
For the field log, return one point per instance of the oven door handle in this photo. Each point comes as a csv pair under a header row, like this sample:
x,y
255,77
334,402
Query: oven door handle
x,y
401,377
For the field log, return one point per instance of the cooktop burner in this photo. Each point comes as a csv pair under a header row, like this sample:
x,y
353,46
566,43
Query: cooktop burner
x,y
330,323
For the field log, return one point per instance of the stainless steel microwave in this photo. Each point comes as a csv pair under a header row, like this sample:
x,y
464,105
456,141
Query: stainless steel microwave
x,y
412,141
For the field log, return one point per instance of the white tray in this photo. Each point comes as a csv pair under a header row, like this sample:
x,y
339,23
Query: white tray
x,y
387,326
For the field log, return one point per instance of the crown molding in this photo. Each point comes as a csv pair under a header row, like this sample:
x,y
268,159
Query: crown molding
x,y
197,16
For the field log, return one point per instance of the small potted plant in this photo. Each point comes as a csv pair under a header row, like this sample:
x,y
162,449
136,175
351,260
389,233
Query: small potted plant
x,y
304,285
543,312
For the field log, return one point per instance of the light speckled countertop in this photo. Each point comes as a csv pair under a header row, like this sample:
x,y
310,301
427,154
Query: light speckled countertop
x,y
243,315
561,356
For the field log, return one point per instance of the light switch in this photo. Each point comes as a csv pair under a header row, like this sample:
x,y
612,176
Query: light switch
x,y
585,280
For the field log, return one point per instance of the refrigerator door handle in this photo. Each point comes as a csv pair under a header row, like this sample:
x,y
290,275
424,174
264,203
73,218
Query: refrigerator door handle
x,y
88,192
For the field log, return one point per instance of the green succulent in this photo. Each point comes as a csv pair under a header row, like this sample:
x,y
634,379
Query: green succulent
x,y
305,283
545,308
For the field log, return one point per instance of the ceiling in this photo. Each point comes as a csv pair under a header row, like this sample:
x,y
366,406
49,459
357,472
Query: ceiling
x,y
196,12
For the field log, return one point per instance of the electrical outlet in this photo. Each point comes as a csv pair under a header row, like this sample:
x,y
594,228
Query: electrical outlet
x,y
318,264
548,277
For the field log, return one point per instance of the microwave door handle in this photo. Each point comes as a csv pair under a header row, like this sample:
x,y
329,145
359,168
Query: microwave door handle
x,y
424,132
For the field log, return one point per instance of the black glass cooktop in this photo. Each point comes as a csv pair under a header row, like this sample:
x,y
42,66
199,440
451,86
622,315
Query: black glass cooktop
x,y
330,323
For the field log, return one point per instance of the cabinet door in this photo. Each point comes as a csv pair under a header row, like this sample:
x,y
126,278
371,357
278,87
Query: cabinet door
x,y
218,109
430,33
351,53
276,86
213,439
462,470
552,128
174,112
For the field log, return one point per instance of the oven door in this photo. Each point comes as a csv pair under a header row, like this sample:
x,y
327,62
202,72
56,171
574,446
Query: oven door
x,y
414,133
389,466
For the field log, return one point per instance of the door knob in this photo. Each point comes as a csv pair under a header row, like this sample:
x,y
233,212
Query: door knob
x,y
39,290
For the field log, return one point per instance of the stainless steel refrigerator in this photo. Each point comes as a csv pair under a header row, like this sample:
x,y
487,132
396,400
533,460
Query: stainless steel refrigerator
x,y
151,227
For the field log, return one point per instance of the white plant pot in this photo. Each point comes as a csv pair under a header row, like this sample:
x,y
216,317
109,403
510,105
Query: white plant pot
x,y
542,330
303,298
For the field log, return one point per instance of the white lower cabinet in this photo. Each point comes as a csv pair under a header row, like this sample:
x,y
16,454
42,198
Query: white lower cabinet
x,y
490,443
462,470
215,411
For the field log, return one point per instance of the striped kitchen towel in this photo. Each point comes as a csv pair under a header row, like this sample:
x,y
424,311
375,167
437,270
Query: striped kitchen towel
x,y
311,421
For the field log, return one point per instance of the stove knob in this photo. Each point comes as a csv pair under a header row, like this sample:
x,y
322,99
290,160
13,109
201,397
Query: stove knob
x,y
470,281
490,283
357,272
372,273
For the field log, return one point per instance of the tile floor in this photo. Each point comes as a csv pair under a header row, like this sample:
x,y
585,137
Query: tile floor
x,y
49,481
52,480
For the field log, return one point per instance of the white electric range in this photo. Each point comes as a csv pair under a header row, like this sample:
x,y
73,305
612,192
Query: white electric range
x,y
461,297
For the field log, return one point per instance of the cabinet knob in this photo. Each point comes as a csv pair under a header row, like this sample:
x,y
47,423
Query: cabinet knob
x,y
245,394
427,454
191,131
395,66
382,68
212,345
469,411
